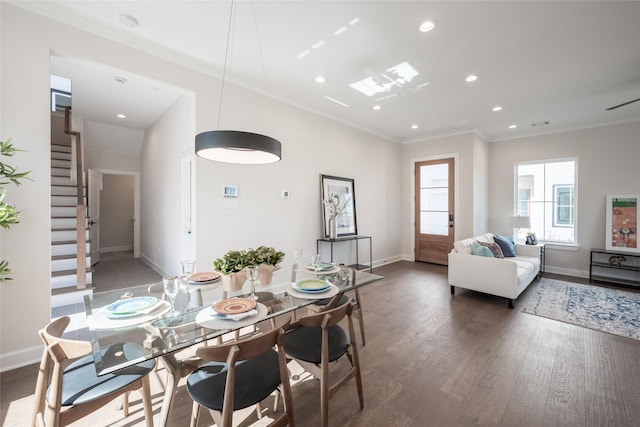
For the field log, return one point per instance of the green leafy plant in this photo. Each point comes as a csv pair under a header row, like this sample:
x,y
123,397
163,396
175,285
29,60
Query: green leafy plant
x,y
8,214
234,261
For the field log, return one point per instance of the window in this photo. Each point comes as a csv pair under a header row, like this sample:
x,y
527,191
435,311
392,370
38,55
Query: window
x,y
546,192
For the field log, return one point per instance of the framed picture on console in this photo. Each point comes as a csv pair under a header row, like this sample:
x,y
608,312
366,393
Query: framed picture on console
x,y
340,193
622,223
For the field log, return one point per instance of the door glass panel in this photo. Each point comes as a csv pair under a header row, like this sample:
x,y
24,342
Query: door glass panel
x,y
434,223
434,199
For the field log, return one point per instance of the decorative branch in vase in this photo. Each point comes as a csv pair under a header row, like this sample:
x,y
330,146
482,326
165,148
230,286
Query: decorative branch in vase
x,y
334,208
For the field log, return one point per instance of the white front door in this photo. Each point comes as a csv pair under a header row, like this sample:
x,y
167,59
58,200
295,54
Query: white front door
x,y
93,221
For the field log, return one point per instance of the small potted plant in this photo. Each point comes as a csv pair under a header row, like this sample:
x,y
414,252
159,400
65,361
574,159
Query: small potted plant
x,y
266,258
232,265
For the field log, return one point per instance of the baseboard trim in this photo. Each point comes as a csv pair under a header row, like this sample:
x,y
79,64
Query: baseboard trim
x,y
18,359
116,249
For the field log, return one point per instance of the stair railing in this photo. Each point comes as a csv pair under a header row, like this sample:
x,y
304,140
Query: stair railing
x,y
81,209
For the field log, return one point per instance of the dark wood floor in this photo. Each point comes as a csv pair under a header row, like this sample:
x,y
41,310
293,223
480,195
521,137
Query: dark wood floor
x,y
436,360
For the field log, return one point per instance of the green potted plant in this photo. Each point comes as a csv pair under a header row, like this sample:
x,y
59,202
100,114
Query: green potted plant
x,y
232,265
266,258
8,214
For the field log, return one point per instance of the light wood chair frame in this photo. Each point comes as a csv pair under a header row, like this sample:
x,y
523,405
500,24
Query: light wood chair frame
x,y
244,349
59,352
324,320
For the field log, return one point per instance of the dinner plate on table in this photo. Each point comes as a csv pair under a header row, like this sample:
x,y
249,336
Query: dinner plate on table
x,y
311,285
326,293
233,306
324,268
204,278
131,306
211,319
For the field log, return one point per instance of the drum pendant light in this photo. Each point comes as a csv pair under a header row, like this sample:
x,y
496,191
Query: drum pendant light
x,y
234,146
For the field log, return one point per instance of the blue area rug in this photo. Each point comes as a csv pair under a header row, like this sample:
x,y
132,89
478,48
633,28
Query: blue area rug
x,y
603,309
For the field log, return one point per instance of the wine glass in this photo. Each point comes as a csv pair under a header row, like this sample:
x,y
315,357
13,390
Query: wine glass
x,y
315,262
297,254
188,267
171,288
253,276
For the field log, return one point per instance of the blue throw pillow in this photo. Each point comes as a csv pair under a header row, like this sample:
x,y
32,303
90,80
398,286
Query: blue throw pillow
x,y
506,244
480,250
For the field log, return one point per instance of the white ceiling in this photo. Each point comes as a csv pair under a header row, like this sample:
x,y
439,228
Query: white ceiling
x,y
561,62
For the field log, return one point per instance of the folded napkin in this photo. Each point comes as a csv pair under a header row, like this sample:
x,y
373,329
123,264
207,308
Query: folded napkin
x,y
235,317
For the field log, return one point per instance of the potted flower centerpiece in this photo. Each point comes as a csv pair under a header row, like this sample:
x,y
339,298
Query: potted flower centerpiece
x,y
266,258
232,265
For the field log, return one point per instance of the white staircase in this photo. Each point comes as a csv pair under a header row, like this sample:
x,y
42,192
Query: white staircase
x,y
64,261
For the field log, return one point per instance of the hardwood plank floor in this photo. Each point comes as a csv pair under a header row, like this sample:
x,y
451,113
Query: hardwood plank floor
x,y
436,360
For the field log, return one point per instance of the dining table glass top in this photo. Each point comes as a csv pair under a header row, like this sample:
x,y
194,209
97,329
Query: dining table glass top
x,y
143,315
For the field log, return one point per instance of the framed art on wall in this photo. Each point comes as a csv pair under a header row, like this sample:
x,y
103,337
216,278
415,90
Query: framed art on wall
x,y
622,223
339,200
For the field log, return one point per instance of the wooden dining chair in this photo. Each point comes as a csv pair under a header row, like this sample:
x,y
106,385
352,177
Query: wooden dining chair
x,y
348,274
74,390
241,374
316,340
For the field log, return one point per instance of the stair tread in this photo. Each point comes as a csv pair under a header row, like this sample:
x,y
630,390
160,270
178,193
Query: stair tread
x,y
61,257
68,272
68,242
71,289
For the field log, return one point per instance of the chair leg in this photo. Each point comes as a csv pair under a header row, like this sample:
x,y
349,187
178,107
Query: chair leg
x,y
195,414
146,401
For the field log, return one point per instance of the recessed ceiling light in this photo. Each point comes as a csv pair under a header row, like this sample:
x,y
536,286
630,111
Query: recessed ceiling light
x,y
427,26
303,54
414,126
354,21
377,107
119,79
471,78
497,108
128,20
320,79
513,126
339,31
317,45
121,116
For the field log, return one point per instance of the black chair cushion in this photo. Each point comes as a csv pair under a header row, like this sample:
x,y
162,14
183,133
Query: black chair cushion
x,y
256,379
81,384
326,301
305,343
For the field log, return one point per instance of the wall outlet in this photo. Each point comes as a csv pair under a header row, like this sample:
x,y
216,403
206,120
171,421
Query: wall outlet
x,y
285,194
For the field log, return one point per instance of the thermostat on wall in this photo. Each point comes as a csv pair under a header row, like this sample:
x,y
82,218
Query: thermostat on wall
x,y
230,191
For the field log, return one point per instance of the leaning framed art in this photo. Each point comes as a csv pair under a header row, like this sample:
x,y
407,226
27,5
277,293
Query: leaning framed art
x,y
622,223
338,201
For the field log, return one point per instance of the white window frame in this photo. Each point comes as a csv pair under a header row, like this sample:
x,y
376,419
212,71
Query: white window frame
x,y
549,219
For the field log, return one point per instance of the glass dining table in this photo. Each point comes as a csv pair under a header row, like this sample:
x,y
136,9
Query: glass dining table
x,y
142,315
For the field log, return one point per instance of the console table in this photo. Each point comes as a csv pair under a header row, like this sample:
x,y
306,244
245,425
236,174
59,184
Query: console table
x,y
602,270
357,265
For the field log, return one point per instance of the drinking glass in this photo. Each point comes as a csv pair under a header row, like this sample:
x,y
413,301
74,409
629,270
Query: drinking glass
x,y
188,266
315,262
253,276
297,254
171,288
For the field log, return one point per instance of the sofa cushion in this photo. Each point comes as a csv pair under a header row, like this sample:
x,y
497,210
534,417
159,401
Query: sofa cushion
x,y
481,250
507,246
495,249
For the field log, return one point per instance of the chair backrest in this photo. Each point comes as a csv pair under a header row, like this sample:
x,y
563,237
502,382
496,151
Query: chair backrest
x,y
59,349
245,349
327,318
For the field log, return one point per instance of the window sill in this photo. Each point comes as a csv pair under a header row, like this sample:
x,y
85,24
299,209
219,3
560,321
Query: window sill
x,y
562,246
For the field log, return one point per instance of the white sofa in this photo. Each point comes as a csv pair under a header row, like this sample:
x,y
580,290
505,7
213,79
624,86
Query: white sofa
x,y
505,277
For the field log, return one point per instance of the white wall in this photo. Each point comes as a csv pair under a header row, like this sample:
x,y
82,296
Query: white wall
x,y
311,146
111,147
116,213
607,164
467,148
166,142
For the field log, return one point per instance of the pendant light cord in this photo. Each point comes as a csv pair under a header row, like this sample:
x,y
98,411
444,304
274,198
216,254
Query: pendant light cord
x,y
226,58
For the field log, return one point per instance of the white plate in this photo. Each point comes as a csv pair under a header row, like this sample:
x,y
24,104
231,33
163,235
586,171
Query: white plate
x,y
333,290
333,270
208,318
131,305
